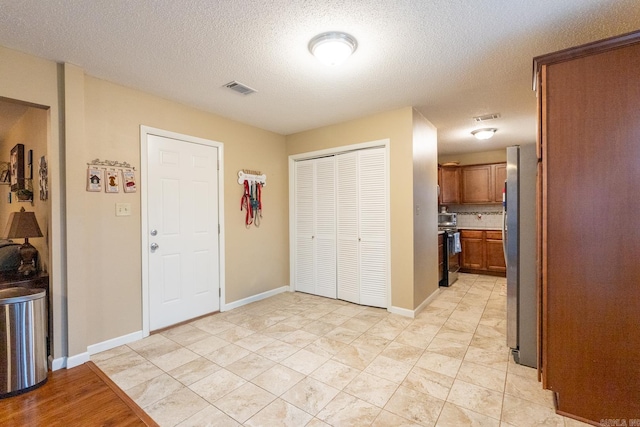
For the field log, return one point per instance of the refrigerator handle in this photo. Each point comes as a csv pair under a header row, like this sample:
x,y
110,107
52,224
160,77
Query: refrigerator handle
x,y
504,221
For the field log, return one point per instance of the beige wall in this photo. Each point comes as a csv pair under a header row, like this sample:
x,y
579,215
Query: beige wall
x,y
30,130
36,81
494,156
425,209
108,247
397,127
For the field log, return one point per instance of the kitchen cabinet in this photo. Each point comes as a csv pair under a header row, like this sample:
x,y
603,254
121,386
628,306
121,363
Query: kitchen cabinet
x,y
482,252
482,184
440,257
449,181
589,223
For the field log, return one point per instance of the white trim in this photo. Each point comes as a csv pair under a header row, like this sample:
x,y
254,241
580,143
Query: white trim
x,y
386,143
405,312
257,297
115,342
427,301
59,363
145,131
77,360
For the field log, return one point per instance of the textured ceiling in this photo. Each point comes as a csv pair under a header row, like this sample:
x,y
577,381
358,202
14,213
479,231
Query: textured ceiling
x,y
451,59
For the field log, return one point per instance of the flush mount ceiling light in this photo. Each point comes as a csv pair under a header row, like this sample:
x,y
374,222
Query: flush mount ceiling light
x,y
485,133
332,48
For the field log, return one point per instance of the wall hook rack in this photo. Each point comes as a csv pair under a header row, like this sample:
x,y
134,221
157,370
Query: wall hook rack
x,y
251,176
111,164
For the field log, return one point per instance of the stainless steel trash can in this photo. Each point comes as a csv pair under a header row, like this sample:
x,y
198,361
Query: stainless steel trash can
x,y
23,340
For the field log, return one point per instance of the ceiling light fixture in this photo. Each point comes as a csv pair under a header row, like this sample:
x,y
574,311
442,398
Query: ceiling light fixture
x,y
332,48
485,133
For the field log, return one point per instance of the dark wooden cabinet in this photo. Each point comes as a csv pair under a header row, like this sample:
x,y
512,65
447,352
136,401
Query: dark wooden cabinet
x,y
499,171
449,181
588,106
482,184
482,252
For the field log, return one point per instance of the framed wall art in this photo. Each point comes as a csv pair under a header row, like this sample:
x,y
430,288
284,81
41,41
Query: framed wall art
x,y
17,167
94,179
111,184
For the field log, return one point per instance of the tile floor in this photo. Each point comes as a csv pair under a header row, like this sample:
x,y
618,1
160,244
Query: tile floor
x,y
301,360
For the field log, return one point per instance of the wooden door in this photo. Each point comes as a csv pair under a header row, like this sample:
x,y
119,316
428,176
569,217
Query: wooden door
x,y
184,264
591,300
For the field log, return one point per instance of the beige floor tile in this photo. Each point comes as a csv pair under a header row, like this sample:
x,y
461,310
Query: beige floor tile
x,y
483,376
415,406
207,345
327,347
342,334
414,339
358,325
429,382
387,419
389,369
108,354
402,352
154,339
174,359
244,402
317,423
440,363
277,350
194,371
153,390
304,361
455,416
447,348
476,398
350,310
523,371
371,388
335,374
355,357
528,389
520,412
176,407
460,325
490,358
278,379
212,325
279,330
487,343
186,334
334,319
425,326
136,375
226,355
318,328
310,395
216,385
279,413
569,422
250,366
254,342
299,338
209,417
348,411
371,343
121,362
235,334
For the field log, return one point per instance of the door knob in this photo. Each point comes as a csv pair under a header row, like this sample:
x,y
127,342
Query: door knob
x,y
154,232
154,246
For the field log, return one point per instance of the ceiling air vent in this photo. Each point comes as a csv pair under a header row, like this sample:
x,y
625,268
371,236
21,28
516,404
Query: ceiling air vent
x,y
486,117
240,88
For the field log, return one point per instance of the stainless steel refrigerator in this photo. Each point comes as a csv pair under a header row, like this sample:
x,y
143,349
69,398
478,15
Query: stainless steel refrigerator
x,y
519,241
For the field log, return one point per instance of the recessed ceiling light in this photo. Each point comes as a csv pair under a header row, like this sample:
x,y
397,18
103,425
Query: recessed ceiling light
x,y
332,48
484,133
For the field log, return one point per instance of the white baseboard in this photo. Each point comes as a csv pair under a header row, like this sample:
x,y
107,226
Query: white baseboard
x,y
77,360
413,313
114,342
255,298
58,363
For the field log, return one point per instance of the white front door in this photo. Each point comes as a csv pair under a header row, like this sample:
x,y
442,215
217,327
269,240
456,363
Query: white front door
x,y
182,222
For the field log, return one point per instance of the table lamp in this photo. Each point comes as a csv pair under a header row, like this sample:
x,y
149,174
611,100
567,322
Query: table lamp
x,y
22,225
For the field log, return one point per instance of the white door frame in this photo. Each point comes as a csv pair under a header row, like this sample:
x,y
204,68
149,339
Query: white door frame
x,y
333,151
144,132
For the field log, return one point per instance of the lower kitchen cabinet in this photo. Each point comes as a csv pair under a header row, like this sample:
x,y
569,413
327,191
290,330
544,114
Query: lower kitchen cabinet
x,y
440,257
482,252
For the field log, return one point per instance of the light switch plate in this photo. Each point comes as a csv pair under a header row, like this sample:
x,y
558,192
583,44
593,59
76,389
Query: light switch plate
x,y
123,209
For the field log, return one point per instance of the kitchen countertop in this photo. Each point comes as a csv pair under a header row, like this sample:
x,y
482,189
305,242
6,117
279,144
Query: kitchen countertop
x,y
479,228
440,232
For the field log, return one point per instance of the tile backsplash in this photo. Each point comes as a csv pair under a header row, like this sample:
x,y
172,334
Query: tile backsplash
x,y
478,216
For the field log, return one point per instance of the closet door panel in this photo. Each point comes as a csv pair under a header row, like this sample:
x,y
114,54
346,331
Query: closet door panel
x,y
347,225
325,227
304,217
373,227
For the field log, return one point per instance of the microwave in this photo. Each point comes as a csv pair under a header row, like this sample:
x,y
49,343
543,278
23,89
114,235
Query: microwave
x,y
447,219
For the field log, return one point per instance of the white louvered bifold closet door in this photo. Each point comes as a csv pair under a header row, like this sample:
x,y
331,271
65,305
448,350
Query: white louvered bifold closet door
x,y
315,259
362,227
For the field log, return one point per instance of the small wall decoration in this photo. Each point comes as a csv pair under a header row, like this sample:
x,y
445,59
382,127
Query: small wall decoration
x,y
129,179
43,173
5,172
94,179
17,167
111,185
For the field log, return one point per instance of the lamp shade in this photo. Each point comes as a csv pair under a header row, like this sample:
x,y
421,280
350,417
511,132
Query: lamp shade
x,y
332,48
22,225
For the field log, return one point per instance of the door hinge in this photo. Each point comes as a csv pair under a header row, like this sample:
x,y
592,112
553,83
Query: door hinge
x,y
220,292
218,228
218,161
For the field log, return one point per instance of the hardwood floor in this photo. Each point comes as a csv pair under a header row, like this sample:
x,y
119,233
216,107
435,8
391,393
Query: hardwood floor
x,y
79,396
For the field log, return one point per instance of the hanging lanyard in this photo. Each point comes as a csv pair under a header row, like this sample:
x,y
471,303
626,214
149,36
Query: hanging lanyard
x,y
246,203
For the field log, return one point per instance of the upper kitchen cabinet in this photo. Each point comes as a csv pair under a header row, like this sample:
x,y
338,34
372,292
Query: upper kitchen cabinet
x,y
449,178
589,103
482,184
